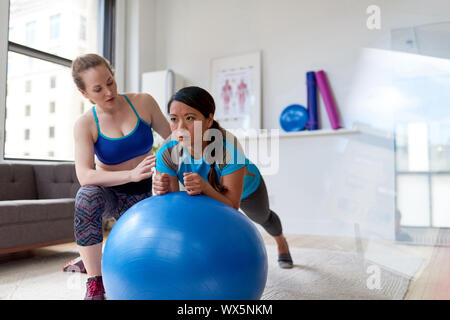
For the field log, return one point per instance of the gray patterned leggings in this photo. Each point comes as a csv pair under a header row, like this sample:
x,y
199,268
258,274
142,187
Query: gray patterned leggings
x,y
92,204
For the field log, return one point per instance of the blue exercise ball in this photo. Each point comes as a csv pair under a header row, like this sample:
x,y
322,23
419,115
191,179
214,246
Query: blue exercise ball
x,y
181,247
294,118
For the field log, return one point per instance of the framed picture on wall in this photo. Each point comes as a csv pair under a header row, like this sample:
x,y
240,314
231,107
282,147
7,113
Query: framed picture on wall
x,y
235,83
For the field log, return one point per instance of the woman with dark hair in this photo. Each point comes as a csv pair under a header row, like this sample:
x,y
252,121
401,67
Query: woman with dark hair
x,y
208,160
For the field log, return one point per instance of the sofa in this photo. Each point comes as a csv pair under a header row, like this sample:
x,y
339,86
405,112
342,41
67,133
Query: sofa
x,y
36,204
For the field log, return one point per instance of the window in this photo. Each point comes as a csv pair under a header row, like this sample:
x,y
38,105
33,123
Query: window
x,y
423,174
30,64
55,26
40,54
28,86
30,37
82,28
52,82
51,132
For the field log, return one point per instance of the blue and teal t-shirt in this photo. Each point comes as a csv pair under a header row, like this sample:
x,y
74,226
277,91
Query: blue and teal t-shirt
x,y
228,157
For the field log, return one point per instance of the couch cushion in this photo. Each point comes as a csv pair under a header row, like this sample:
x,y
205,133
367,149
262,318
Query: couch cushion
x,y
31,211
19,235
17,182
54,181
28,222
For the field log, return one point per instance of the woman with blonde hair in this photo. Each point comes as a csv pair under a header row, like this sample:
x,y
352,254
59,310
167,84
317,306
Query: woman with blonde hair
x,y
113,159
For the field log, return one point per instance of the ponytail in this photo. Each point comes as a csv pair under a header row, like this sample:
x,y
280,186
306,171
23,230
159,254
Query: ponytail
x,y
213,179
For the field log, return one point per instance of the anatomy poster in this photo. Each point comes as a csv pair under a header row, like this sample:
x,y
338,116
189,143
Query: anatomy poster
x,y
235,84
234,94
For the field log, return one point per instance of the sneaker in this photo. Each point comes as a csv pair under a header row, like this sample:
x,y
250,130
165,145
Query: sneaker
x,y
74,265
95,289
285,261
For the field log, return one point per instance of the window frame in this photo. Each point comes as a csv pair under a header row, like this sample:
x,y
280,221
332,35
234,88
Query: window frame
x,y
429,174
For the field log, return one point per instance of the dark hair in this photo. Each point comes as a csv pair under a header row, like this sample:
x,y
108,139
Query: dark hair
x,y
202,101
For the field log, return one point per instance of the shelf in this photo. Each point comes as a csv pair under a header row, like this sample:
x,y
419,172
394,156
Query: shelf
x,y
305,133
322,132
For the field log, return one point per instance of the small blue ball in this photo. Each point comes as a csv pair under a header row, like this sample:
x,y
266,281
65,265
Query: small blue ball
x,y
294,118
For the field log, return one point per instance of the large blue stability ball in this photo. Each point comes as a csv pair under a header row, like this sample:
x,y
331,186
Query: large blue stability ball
x,y
294,118
181,247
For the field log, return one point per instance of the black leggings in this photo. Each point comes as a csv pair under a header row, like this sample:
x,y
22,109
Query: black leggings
x,y
256,207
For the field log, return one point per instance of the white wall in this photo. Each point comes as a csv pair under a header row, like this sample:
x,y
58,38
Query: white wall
x,y
295,36
139,42
317,189
326,184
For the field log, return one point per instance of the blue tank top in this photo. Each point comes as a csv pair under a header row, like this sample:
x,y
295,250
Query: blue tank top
x,y
111,151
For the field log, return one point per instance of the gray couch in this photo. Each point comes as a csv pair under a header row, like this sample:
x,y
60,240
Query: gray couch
x,y
36,204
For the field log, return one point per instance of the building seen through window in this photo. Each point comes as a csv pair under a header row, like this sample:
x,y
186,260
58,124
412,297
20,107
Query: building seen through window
x,y
42,102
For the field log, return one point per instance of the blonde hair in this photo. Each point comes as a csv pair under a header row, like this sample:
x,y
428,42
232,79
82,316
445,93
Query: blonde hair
x,y
85,62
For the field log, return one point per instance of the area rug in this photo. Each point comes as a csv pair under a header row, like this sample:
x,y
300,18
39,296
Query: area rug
x,y
41,278
331,275
317,274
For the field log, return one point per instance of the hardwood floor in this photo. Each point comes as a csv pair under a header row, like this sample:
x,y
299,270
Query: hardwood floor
x,y
434,281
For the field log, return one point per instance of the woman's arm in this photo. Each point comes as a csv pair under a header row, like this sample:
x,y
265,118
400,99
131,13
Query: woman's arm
x,y
84,162
233,182
158,120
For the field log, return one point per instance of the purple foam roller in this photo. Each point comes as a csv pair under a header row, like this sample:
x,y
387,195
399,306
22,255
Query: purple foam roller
x,y
325,92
